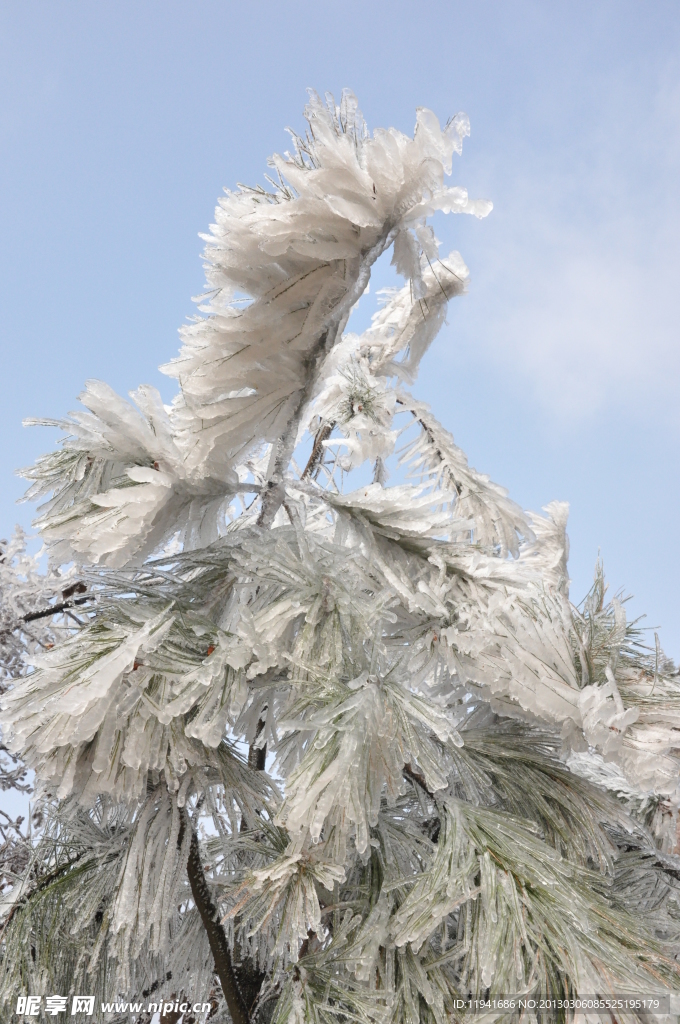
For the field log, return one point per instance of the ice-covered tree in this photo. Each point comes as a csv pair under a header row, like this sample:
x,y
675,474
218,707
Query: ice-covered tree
x,y
345,745
36,609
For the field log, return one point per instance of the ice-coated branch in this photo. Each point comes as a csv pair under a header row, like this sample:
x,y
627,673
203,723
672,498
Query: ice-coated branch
x,y
417,778
318,449
216,934
274,495
55,609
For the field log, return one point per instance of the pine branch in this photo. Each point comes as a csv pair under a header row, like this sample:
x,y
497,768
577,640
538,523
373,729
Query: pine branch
x,y
433,826
40,885
318,450
274,494
257,755
56,608
417,779
216,935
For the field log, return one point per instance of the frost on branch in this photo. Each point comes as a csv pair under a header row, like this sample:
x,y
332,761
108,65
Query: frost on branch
x,y
348,745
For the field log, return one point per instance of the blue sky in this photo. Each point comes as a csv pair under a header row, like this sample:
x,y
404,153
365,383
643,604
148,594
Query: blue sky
x,y
120,123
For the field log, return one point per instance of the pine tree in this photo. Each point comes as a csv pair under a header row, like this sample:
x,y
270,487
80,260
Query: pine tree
x,y
345,746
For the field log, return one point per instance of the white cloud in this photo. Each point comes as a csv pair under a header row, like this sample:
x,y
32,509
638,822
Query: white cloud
x,y
585,280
